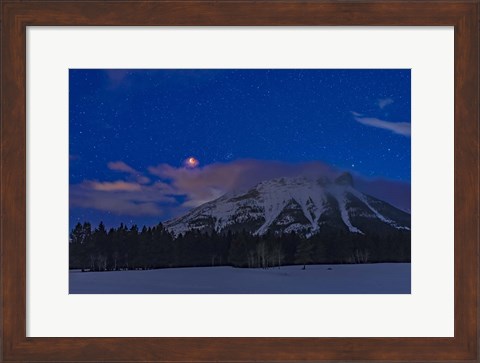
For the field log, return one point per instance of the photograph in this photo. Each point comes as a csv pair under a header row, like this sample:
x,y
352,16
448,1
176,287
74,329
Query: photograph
x,y
239,181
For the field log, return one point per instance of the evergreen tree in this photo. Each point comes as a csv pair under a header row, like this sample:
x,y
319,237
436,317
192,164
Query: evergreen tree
x,y
304,252
154,247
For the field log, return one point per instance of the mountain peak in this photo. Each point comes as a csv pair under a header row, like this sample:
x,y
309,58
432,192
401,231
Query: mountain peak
x,y
345,179
298,204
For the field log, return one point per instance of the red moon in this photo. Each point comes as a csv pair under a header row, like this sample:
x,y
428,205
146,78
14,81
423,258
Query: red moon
x,y
191,162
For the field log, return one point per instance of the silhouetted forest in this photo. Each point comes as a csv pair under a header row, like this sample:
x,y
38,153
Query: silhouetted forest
x,y
126,248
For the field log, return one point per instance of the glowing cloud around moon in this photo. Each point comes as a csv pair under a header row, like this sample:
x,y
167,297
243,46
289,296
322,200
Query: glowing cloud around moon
x,y
191,162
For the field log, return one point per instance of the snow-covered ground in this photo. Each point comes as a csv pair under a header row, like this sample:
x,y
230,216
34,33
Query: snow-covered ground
x,y
382,278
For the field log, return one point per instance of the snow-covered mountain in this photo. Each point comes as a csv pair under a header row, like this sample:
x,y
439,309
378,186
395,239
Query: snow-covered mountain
x,y
298,205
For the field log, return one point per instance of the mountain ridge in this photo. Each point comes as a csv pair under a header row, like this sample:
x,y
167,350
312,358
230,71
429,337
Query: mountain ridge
x,y
300,204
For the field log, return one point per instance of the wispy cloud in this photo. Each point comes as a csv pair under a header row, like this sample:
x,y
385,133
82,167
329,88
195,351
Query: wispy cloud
x,y
119,204
400,128
120,197
116,76
121,166
115,186
384,102
125,168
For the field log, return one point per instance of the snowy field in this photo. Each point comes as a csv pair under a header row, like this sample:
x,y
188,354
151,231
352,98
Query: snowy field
x,y
382,278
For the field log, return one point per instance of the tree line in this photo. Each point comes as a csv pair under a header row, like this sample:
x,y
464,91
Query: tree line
x,y
128,248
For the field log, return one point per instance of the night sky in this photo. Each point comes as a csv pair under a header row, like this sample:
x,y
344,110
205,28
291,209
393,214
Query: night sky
x,y
132,131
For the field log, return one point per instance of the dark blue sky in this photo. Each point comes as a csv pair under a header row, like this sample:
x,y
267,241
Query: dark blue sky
x,y
350,119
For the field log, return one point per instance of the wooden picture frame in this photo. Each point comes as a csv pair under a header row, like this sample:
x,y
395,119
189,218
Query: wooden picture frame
x,y
18,15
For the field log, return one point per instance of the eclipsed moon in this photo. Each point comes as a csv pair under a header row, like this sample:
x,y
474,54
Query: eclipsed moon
x,y
191,162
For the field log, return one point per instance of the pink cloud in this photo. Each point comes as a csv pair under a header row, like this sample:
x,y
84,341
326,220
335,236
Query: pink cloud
x,y
201,185
143,179
115,186
121,166
125,168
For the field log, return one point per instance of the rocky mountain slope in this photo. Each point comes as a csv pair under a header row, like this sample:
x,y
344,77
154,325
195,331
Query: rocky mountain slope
x,y
300,205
